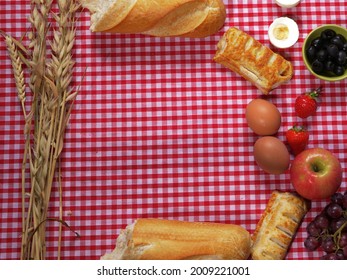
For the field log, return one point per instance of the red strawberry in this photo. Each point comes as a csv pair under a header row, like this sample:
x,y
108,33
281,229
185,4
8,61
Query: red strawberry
x,y
306,104
297,138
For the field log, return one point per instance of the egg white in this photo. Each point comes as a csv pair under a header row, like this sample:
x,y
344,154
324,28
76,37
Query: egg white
x,y
287,3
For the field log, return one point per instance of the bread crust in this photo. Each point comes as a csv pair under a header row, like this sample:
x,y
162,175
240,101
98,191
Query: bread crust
x,y
146,14
255,62
185,18
173,240
277,226
212,23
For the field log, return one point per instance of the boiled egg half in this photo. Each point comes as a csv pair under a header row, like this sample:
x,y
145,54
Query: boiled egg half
x,y
287,3
283,32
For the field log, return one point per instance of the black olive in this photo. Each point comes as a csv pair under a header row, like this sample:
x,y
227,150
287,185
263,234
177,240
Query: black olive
x,y
345,46
325,44
311,53
329,66
333,50
322,55
317,43
328,34
317,66
337,40
341,58
339,70
342,38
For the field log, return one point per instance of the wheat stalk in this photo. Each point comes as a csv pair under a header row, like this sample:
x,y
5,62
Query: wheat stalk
x,y
17,66
33,246
50,67
60,67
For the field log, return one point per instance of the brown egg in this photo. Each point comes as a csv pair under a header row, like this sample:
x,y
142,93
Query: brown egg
x,y
263,117
271,155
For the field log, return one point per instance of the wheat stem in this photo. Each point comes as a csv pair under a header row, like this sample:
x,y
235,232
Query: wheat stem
x,y
61,68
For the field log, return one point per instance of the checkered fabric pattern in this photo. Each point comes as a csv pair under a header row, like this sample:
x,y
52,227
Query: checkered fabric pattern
x,y
159,130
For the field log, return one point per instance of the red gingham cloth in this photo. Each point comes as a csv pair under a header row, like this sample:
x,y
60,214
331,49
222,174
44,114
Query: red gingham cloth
x,y
159,130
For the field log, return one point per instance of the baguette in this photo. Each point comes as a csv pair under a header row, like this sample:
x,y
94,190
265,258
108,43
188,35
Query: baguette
x,y
255,62
184,18
156,239
277,226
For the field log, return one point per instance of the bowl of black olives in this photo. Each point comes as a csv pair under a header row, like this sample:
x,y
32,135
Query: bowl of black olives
x,y
325,52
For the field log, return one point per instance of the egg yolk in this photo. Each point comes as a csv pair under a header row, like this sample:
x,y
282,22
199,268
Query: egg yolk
x,y
281,32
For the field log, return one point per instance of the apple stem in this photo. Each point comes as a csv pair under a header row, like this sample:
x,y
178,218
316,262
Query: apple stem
x,y
316,168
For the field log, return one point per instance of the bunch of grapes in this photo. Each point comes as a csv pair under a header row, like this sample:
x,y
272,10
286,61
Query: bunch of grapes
x,y
329,229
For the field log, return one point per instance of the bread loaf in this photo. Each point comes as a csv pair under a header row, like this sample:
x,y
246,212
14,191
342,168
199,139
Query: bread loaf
x,y
277,226
158,239
255,62
185,18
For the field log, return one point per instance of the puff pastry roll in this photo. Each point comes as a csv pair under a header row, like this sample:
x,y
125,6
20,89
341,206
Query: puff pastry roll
x,y
255,62
278,226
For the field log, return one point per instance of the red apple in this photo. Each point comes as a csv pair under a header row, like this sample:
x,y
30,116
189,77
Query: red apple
x,y
316,173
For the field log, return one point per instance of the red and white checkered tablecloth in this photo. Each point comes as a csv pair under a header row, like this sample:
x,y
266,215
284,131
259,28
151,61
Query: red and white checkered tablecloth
x,y
159,130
